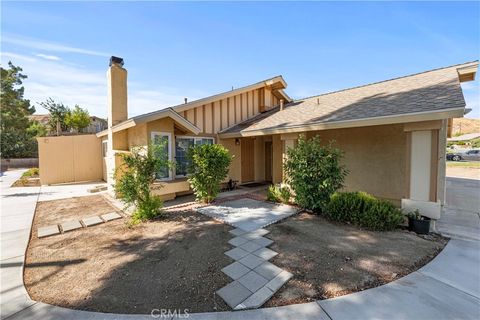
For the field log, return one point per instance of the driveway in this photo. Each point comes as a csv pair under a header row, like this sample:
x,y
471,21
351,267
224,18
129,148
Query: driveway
x,y
448,287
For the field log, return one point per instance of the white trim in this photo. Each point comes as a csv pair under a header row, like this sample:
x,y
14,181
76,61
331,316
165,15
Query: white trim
x,y
170,150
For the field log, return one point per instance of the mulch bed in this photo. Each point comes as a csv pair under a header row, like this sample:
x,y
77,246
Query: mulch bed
x,y
172,263
332,259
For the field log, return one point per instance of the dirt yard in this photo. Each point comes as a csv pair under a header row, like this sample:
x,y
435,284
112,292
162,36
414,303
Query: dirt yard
x,y
173,263
329,259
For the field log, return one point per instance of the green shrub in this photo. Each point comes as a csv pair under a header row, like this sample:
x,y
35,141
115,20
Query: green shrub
x,y
314,173
208,167
31,172
364,210
279,194
273,193
135,178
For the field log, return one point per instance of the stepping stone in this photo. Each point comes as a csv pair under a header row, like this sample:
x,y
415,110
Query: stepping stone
x,y
237,241
268,270
255,234
235,270
252,281
265,253
236,254
111,216
234,293
47,231
251,261
237,232
250,246
71,225
256,300
277,282
91,221
263,242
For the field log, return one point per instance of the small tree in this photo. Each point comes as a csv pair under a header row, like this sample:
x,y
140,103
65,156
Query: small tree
x,y
135,178
78,118
314,172
58,114
208,167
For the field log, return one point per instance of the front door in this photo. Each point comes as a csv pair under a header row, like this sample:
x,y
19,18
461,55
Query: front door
x,y
248,170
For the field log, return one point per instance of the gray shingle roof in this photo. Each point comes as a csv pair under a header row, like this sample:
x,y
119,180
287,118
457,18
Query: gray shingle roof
x,y
429,91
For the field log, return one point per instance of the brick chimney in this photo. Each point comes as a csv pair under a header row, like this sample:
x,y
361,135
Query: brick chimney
x,y
117,92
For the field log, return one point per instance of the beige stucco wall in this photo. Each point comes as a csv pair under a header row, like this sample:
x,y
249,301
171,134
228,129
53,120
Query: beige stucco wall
x,y
70,159
375,157
235,172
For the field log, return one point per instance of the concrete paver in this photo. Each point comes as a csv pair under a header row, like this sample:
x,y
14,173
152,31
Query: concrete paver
x,y
277,282
237,232
250,246
256,300
268,270
92,221
71,225
111,216
265,253
252,281
237,241
234,293
251,261
263,242
48,231
236,253
235,270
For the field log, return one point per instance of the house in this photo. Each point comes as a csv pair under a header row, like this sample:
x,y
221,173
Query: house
x,y
393,132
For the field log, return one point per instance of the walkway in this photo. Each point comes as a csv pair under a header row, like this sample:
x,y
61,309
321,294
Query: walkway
x,y
446,288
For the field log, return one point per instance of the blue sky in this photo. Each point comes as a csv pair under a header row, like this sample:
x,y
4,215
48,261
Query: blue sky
x,y
177,50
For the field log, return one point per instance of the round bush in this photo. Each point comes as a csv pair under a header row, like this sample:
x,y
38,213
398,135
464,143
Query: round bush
x,y
364,210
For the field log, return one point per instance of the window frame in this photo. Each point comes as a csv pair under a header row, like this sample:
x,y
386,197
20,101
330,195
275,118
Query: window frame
x,y
105,148
170,151
194,139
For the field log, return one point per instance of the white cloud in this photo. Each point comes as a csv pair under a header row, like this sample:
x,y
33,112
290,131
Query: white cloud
x,y
73,84
48,46
48,57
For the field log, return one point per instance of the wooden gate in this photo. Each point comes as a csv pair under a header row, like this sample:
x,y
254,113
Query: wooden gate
x,y
70,159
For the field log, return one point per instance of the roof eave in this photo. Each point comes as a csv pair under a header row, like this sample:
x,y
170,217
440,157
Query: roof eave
x,y
394,119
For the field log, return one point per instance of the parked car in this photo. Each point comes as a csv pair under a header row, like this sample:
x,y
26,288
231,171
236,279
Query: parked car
x,y
472,155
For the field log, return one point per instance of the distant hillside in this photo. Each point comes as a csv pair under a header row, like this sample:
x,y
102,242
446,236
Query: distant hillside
x,y
465,125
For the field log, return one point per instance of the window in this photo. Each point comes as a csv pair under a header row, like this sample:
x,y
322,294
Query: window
x,y
164,139
182,144
104,148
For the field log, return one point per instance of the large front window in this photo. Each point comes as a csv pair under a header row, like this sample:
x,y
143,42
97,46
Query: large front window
x,y
182,144
163,139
